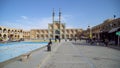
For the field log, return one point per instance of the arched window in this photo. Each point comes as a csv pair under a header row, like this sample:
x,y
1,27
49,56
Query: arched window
x,y
21,31
8,30
4,30
67,36
4,36
12,31
0,30
15,31
0,35
57,32
38,36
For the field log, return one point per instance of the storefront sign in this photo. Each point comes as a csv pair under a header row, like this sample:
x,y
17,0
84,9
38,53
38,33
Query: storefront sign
x,y
118,33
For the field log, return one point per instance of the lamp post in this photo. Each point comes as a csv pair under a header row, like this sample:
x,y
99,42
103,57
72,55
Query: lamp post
x,y
89,31
98,39
90,35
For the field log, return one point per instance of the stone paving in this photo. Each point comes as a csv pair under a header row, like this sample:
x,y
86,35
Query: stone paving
x,y
71,54
79,55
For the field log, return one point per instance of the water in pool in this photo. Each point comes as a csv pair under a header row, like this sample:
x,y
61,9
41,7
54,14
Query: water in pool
x,y
14,49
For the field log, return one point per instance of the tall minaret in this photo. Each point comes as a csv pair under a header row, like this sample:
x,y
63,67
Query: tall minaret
x,y
59,16
60,22
53,15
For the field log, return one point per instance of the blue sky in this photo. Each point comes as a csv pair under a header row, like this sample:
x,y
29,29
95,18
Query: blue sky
x,y
36,14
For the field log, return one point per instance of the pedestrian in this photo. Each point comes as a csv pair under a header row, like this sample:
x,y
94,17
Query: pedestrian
x,y
55,40
59,40
65,40
91,41
106,42
75,39
49,45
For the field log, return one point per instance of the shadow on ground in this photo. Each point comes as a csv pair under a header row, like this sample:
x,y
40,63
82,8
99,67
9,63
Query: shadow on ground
x,y
77,43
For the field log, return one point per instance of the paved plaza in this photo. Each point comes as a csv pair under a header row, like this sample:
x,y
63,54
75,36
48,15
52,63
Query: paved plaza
x,y
71,54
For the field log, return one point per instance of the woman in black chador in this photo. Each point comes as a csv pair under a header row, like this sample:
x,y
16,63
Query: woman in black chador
x,y
49,45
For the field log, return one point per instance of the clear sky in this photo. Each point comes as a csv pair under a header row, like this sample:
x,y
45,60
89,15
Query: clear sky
x,y
36,14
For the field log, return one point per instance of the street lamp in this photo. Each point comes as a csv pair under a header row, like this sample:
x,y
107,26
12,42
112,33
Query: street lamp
x,y
90,35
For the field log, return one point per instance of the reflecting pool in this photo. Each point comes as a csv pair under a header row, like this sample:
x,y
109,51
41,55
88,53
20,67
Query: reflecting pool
x,y
14,49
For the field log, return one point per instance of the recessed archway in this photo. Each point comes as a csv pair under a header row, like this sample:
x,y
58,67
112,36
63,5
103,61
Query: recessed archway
x,y
5,36
0,35
57,32
11,36
0,30
4,30
57,37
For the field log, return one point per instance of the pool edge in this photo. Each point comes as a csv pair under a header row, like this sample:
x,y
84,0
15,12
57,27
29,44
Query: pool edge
x,y
2,64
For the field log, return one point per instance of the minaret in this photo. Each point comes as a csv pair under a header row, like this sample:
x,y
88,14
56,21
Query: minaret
x,y
60,22
59,16
53,15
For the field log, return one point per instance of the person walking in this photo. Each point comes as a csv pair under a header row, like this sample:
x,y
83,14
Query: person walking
x,y
106,42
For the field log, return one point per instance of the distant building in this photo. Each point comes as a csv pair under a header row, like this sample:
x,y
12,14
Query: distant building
x,y
105,30
56,29
10,33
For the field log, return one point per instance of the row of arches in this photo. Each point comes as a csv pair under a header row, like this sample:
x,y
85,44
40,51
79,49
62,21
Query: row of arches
x,y
3,36
51,36
70,36
42,36
7,30
71,31
106,25
40,31
56,26
9,36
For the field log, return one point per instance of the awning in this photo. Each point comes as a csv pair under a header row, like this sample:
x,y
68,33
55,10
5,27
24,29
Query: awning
x,y
114,29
